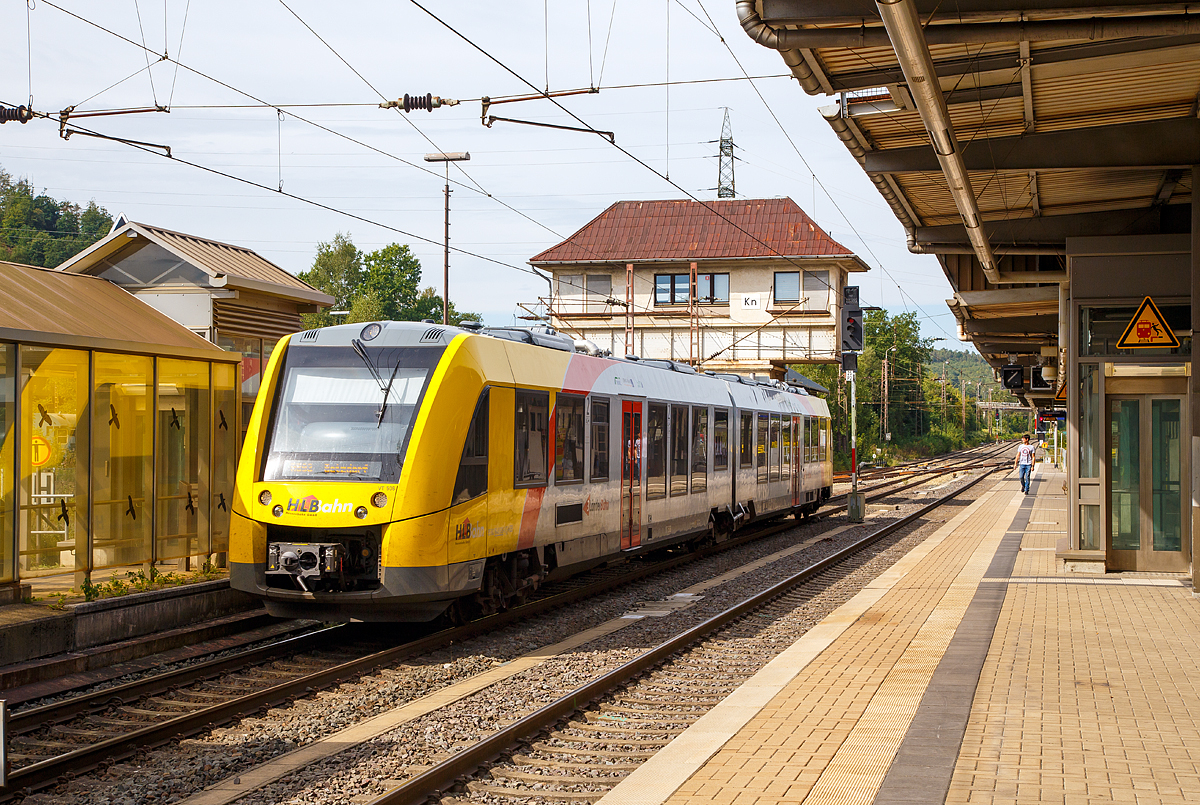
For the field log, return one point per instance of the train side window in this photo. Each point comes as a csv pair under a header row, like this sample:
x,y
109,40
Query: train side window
x,y
599,439
699,448
720,440
532,428
568,439
746,440
826,439
656,451
775,451
473,466
679,449
764,435
812,440
786,437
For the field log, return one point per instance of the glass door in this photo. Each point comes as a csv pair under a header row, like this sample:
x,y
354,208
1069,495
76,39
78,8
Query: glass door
x,y
1145,479
631,474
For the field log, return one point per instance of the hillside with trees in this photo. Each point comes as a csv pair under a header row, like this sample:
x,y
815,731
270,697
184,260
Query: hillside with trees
x,y
37,230
922,398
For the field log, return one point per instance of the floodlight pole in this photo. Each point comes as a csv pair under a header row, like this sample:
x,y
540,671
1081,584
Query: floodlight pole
x,y
460,156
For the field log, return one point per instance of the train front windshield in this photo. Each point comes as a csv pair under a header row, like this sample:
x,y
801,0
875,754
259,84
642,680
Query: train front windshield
x,y
338,418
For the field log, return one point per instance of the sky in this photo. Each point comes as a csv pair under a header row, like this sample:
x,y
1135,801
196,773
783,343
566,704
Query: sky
x,y
327,66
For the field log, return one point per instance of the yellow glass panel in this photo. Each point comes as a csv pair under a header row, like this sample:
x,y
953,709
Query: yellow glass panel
x,y
122,452
52,494
8,467
226,441
184,451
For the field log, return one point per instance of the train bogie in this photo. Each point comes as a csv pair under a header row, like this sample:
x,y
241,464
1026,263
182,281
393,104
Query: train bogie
x,y
494,466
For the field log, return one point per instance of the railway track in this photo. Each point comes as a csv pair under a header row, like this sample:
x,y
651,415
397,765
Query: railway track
x,y
71,736
575,749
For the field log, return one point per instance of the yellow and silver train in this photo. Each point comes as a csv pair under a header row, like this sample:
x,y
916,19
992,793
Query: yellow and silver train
x,y
398,471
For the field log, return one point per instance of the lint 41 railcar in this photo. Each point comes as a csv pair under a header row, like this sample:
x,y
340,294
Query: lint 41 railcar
x,y
395,471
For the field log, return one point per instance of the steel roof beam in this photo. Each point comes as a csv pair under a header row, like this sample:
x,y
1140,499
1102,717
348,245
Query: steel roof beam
x,y
1159,144
806,12
1008,62
996,32
912,52
1057,228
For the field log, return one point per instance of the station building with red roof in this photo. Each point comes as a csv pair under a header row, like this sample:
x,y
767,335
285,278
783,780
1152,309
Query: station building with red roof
x,y
741,285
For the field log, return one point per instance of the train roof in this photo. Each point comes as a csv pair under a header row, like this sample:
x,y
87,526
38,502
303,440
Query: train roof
x,y
626,372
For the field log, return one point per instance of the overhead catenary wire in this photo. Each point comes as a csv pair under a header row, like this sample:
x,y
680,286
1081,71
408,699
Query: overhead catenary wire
x,y
816,179
620,148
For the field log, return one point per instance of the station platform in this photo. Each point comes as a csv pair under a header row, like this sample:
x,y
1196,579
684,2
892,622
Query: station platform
x,y
976,670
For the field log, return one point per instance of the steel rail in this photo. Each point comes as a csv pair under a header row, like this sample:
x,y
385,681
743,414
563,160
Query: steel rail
x,y
434,781
39,774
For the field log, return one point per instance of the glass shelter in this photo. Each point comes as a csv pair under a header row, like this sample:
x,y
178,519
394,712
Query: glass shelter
x,y
119,432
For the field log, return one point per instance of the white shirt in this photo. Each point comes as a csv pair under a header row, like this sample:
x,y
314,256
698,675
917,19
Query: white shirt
x,y
1025,453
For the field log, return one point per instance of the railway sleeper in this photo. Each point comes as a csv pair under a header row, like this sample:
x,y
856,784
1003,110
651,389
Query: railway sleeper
x,y
525,760
541,746
615,729
692,700
98,734
654,709
178,703
589,739
642,718
555,779
549,796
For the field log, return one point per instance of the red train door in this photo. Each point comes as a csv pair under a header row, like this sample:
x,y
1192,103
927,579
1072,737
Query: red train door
x,y
631,474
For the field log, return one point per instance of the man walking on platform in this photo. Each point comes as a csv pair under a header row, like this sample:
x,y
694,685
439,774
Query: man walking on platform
x,y
1023,463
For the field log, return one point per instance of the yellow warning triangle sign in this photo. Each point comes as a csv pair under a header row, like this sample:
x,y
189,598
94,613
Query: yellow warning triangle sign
x,y
1147,329
1062,394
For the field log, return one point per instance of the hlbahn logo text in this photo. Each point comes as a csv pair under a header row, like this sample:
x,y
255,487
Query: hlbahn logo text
x,y
462,530
312,504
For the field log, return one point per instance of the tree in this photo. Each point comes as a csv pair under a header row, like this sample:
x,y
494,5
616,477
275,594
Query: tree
x,y
40,231
379,286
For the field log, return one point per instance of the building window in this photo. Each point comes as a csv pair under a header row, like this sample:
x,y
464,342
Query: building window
x,y
656,453
720,440
787,286
532,427
816,288
598,292
672,289
699,449
746,440
712,289
679,449
599,440
472,478
568,439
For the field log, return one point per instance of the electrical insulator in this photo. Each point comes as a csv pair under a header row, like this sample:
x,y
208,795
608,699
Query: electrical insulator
x,y
427,102
21,114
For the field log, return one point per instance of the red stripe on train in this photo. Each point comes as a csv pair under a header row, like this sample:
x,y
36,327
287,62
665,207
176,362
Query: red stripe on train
x,y
529,517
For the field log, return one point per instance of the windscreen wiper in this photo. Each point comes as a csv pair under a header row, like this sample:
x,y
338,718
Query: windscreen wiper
x,y
386,388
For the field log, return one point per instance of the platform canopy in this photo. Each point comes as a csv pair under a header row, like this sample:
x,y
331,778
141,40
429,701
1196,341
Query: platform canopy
x,y
998,129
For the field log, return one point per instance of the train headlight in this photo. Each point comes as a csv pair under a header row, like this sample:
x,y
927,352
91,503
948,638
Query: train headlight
x,y
277,511
264,497
379,500
361,512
